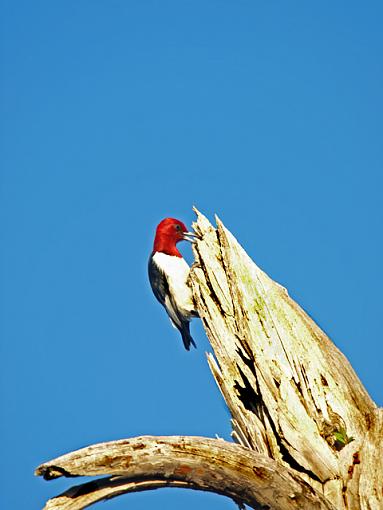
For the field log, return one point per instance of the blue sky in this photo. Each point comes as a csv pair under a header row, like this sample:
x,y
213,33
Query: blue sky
x,y
117,114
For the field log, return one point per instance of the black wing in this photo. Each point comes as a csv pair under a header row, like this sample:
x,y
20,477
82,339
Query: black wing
x,y
158,281
160,288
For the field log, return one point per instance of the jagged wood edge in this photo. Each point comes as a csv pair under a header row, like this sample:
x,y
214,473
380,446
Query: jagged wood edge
x,y
218,293
150,462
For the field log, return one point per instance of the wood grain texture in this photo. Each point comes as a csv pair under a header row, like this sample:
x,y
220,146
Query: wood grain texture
x,y
292,394
149,462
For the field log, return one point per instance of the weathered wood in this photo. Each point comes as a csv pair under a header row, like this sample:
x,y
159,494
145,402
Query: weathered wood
x,y
84,495
194,462
364,478
292,394
308,434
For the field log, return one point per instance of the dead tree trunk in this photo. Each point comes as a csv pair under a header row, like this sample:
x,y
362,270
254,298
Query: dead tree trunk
x,y
309,436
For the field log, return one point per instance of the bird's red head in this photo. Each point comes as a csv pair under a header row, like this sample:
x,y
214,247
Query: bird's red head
x,y
169,232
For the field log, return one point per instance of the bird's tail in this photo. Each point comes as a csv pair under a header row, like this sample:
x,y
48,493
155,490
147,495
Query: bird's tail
x,y
186,336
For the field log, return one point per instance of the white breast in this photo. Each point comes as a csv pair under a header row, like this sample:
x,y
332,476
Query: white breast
x,y
176,270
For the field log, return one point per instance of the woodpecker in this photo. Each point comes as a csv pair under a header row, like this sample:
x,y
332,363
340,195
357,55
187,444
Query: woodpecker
x,y
168,272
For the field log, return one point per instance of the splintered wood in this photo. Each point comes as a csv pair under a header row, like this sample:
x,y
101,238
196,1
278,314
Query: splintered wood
x,y
292,394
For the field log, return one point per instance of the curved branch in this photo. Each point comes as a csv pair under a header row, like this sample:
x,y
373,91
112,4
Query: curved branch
x,y
150,462
84,495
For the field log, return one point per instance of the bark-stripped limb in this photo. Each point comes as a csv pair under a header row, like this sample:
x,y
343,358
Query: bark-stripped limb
x,y
149,462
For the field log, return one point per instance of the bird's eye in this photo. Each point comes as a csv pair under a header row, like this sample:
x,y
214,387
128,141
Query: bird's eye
x,y
178,228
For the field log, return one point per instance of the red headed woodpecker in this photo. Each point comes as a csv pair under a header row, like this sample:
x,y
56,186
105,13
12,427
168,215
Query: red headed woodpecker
x,y
168,272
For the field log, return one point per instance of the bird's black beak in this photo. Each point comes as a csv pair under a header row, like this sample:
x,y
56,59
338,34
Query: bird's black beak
x,y
190,236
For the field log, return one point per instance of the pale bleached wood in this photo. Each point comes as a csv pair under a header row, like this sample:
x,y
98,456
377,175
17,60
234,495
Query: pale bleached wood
x,y
365,472
85,495
149,462
290,391
307,426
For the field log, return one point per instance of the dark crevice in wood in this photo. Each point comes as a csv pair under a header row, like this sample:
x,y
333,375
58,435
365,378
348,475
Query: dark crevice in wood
x,y
287,457
248,361
251,400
